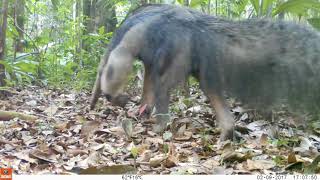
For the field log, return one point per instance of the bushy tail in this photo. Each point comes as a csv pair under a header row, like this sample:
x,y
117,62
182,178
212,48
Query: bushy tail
x,y
95,93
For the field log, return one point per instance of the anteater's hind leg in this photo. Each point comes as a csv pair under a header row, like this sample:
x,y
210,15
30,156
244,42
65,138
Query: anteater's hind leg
x,y
211,85
224,116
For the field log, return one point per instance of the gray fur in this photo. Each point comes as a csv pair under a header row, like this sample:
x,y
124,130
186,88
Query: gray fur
x,y
261,62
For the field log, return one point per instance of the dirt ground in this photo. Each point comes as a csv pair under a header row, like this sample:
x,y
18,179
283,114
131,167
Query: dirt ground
x,y
56,133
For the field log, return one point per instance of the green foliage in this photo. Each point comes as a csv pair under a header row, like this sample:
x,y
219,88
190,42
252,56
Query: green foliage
x,y
67,68
53,47
60,52
167,136
280,160
55,4
135,152
180,1
240,7
315,22
313,168
262,8
266,5
21,71
196,3
165,148
256,6
286,142
298,7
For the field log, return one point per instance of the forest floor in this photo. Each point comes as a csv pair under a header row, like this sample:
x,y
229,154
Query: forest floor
x,y
64,137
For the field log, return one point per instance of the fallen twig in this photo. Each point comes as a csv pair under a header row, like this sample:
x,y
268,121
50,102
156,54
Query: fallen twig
x,y
8,115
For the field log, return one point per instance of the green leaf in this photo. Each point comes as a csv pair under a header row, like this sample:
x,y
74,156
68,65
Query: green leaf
x,y
27,66
55,4
180,1
167,136
297,166
315,22
297,6
4,88
101,30
165,148
196,3
265,6
4,63
255,4
241,5
134,152
312,168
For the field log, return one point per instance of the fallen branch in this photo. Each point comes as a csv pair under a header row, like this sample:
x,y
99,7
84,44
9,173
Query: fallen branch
x,y
8,115
12,143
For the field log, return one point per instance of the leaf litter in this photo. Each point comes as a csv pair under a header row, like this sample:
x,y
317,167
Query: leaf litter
x,y
68,138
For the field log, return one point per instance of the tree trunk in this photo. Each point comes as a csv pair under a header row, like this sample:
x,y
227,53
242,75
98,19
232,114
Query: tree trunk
x,y
281,15
93,6
142,2
107,16
78,45
86,14
3,28
186,3
216,7
228,9
19,23
89,13
111,20
260,8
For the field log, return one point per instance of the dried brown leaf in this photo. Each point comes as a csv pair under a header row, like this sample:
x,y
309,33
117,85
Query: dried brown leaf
x,y
118,131
171,161
264,140
45,156
89,128
76,152
154,140
157,160
185,137
235,156
259,164
292,158
127,127
211,163
51,110
145,157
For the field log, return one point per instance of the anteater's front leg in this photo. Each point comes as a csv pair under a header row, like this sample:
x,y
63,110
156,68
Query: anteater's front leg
x,y
162,97
148,97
